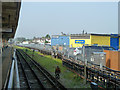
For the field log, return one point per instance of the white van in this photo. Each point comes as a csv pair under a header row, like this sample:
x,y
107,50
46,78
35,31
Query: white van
x,y
78,50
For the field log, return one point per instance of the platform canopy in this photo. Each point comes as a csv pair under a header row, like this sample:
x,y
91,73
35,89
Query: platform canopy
x,y
10,15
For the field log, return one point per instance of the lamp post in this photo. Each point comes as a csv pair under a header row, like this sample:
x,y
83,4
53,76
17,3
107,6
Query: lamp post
x,y
33,53
57,48
64,49
85,63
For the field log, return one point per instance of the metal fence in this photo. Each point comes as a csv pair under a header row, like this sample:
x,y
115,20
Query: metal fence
x,y
92,54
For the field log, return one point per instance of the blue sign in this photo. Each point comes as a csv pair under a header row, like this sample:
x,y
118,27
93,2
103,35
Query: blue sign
x,y
80,41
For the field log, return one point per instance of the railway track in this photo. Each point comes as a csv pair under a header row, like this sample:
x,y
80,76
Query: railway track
x,y
33,75
106,78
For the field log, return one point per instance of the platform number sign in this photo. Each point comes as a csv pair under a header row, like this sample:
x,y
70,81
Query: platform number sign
x,y
79,41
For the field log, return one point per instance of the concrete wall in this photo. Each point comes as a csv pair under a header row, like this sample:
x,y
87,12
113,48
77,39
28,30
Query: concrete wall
x,y
113,59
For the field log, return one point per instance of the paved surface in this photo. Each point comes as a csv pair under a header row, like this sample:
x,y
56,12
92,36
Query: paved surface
x,y
6,63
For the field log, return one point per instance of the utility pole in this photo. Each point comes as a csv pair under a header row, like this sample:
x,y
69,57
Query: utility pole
x,y
64,46
33,53
85,63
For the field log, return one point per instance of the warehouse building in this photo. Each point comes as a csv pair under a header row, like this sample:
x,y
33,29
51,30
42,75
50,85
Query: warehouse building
x,y
60,40
78,40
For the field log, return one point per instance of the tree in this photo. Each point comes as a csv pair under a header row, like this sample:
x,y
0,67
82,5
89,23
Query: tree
x,y
43,37
21,39
46,41
47,36
34,37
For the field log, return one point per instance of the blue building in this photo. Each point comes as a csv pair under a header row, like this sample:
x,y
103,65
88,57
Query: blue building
x,y
115,41
60,40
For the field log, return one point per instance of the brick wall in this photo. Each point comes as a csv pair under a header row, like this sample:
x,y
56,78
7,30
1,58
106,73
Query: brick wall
x,y
113,59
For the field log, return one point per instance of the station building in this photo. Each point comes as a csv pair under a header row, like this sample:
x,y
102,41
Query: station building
x,y
78,40
60,40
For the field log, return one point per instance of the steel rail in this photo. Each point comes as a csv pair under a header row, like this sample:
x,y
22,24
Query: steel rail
x,y
42,71
42,87
18,58
53,81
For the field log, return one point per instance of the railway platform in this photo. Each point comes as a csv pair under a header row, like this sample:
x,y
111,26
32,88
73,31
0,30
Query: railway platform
x,y
21,71
6,64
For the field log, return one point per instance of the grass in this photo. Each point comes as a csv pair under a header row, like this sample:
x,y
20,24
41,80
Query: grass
x,y
67,78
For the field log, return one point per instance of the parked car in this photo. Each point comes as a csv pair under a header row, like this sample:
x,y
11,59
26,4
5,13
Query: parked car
x,y
77,51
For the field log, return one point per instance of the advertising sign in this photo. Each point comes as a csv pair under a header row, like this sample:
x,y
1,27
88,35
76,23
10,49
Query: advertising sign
x,y
79,41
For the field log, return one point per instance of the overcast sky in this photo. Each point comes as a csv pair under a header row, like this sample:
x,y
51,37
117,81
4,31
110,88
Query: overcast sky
x,y
41,18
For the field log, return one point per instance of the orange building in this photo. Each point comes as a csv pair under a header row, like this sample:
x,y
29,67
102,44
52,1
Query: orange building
x,y
113,59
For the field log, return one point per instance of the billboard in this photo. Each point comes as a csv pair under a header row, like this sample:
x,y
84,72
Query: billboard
x,y
79,41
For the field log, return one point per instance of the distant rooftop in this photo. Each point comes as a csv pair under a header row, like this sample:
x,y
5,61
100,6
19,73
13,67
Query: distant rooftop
x,y
94,34
87,35
59,35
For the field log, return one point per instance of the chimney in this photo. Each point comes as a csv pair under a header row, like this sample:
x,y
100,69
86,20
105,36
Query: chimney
x,y
83,32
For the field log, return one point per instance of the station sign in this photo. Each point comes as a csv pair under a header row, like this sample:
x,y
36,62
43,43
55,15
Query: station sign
x,y
80,41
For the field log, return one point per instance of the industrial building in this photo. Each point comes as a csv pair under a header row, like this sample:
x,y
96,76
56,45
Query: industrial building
x,y
78,40
60,40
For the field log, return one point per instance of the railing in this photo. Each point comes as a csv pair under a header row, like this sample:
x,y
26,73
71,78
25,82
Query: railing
x,y
106,78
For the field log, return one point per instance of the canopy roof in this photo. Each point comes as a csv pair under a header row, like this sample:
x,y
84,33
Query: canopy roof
x,y
10,16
